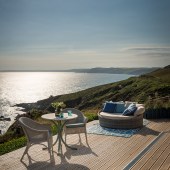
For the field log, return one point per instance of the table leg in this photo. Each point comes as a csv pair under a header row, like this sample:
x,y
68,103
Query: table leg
x,y
67,145
58,133
60,139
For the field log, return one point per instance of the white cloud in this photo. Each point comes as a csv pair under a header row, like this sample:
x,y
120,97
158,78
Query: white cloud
x,y
148,55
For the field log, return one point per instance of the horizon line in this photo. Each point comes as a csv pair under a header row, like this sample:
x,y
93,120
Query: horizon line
x,y
33,70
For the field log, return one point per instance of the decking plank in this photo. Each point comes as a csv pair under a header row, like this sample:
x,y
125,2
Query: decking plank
x,y
130,156
166,163
147,156
158,163
152,158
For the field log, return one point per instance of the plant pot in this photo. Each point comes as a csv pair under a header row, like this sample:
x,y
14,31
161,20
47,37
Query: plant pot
x,y
57,112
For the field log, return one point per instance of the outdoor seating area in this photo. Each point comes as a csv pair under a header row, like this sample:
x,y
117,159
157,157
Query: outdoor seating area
x,y
148,148
111,117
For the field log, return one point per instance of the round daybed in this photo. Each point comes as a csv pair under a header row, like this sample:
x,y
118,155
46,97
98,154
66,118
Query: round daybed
x,y
119,121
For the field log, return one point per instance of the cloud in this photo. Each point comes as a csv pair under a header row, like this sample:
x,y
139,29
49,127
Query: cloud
x,y
149,51
81,52
154,49
147,55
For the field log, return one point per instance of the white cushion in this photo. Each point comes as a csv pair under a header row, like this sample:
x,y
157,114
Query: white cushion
x,y
137,105
140,110
114,116
127,103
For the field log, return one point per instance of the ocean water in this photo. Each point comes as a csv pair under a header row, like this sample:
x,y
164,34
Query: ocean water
x,y
24,87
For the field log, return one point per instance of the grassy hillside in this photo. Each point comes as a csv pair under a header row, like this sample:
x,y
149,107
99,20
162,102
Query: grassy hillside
x,y
163,73
111,70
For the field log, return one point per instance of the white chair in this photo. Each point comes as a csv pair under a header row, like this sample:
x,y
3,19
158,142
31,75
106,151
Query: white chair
x,y
36,134
75,126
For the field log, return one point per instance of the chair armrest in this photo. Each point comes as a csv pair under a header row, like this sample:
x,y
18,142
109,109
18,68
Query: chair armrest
x,y
85,119
37,129
34,135
44,127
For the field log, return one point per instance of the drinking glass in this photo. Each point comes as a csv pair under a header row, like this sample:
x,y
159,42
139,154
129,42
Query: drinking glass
x,y
69,113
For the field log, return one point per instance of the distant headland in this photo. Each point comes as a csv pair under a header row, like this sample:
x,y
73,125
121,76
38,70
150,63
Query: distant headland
x,y
111,70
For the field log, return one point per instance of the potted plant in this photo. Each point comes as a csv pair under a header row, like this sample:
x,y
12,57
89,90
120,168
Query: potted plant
x,y
58,107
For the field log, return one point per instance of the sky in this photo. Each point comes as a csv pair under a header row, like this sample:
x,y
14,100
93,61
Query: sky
x,y
69,34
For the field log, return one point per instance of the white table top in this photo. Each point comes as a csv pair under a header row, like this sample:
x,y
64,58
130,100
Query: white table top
x,y
51,116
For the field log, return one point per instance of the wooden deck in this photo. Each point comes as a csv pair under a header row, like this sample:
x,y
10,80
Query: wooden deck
x,y
148,149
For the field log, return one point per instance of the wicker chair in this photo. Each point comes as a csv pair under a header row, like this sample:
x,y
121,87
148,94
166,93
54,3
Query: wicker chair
x,y
77,125
36,134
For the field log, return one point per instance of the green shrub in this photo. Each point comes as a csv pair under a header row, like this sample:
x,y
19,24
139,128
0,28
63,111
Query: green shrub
x,y
54,129
6,137
34,113
91,116
12,145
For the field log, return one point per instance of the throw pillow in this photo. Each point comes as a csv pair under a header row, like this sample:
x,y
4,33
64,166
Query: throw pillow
x,y
109,107
128,103
120,107
130,110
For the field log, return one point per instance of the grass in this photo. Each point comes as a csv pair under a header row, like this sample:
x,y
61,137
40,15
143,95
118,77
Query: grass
x,y
12,145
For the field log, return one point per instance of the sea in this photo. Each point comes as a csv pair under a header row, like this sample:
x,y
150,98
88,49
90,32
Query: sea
x,y
26,87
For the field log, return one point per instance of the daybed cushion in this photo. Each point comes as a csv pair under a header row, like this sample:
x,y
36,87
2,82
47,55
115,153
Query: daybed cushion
x,y
128,103
130,110
140,110
120,107
114,116
109,107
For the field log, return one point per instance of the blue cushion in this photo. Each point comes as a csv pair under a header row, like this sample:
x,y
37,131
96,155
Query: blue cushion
x,y
130,110
120,107
109,107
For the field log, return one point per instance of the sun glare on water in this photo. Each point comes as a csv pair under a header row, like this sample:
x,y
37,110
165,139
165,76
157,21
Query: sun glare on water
x,y
32,86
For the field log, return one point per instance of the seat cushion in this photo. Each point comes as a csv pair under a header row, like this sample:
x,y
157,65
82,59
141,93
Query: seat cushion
x,y
128,103
117,116
140,110
120,107
130,110
109,107
75,125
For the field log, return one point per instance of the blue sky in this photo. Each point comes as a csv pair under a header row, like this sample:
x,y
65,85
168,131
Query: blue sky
x,y
65,34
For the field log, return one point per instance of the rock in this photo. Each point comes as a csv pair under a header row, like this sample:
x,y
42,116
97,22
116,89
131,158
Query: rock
x,y
7,119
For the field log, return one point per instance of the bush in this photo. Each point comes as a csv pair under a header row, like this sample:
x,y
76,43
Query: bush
x,y
6,137
54,129
157,108
91,116
12,145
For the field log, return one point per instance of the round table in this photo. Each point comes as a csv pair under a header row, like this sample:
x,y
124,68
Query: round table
x,y
59,123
